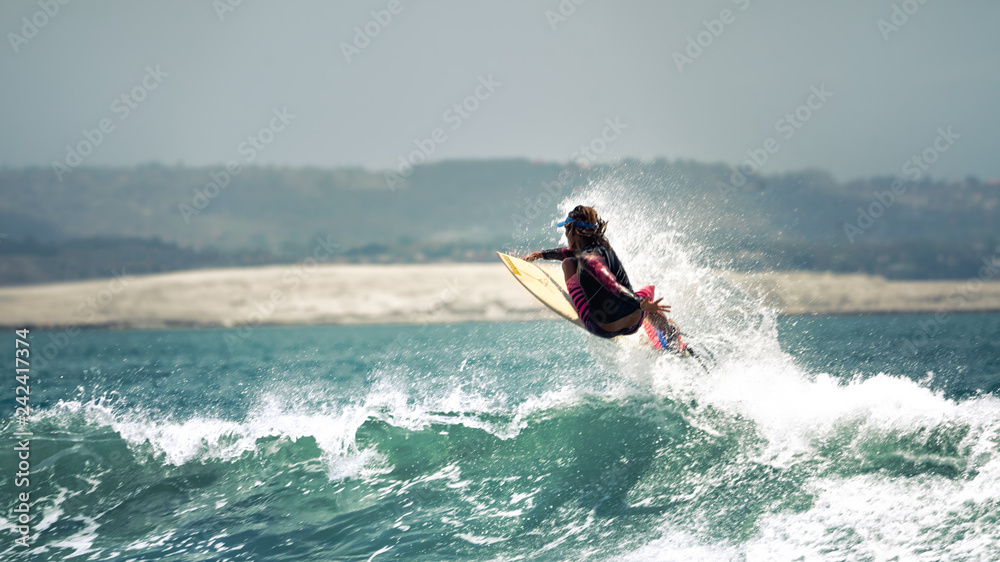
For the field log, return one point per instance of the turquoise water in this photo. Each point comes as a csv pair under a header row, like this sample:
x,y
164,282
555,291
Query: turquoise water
x,y
823,438
840,438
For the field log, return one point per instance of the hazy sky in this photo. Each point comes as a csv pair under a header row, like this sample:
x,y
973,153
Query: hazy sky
x,y
555,82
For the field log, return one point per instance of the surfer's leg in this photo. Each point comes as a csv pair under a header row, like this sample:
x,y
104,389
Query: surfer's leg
x,y
649,292
658,319
663,324
569,268
670,330
579,299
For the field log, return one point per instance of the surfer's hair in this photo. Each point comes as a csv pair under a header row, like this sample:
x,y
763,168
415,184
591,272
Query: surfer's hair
x,y
588,215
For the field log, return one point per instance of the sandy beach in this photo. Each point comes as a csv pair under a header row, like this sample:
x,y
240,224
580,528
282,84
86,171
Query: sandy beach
x,y
414,294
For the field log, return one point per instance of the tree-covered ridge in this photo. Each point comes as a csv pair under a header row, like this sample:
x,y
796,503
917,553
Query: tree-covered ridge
x,y
159,218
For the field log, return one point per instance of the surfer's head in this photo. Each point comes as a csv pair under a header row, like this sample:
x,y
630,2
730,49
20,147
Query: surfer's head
x,y
584,226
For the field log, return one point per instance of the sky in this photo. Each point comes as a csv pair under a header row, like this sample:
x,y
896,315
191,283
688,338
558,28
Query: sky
x,y
854,87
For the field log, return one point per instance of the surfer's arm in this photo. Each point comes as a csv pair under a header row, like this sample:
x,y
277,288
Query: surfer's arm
x,y
553,254
600,271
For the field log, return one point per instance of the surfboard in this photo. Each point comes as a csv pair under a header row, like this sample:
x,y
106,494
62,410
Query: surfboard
x,y
548,286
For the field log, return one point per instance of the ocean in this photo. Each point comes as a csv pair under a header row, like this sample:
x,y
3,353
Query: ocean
x,y
791,438
832,441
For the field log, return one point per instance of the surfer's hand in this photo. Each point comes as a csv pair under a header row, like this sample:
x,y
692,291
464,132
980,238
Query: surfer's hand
x,y
532,256
654,306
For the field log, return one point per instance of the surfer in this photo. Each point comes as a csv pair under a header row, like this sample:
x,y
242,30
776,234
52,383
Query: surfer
x,y
597,282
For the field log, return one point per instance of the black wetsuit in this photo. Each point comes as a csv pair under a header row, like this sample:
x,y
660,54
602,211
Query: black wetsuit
x,y
601,291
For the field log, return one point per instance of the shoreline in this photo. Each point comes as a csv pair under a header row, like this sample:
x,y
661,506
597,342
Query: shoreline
x,y
127,326
408,294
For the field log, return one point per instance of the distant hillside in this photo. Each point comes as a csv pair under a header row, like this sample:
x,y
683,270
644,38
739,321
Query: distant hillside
x,y
267,208
161,218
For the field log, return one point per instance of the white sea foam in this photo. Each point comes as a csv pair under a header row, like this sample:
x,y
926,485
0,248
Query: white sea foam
x,y
290,415
858,511
871,512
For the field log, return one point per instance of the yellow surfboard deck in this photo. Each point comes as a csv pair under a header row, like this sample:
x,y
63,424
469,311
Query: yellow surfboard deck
x,y
546,284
